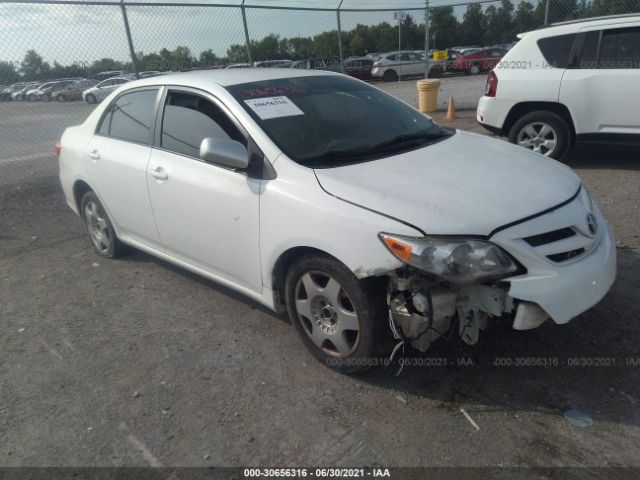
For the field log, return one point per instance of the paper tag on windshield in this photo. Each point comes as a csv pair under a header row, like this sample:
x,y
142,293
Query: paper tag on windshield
x,y
273,107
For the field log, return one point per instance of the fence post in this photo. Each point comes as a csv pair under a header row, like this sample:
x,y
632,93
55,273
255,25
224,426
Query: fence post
x,y
426,38
546,13
132,52
246,33
340,38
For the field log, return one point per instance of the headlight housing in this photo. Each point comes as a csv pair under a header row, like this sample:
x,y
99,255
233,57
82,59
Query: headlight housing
x,y
457,260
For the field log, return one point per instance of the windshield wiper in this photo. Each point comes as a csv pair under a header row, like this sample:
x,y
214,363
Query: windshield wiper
x,y
332,155
407,138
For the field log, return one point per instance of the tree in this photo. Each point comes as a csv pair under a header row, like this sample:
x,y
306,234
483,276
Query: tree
x,y
444,28
181,58
208,59
33,67
105,65
524,19
8,73
559,10
266,49
237,54
471,26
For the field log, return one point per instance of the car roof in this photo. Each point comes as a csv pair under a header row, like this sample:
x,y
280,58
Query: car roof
x,y
206,79
573,26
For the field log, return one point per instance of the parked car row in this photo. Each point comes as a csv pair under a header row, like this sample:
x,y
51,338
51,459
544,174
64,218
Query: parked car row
x,y
469,60
91,90
42,91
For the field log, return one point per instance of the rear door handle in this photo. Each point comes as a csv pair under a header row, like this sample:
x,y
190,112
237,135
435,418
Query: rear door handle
x,y
94,154
159,173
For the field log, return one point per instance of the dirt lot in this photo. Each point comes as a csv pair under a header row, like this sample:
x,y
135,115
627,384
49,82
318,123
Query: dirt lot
x,y
135,362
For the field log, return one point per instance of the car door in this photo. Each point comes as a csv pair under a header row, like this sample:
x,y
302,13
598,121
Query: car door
x,y
117,159
600,87
416,65
207,215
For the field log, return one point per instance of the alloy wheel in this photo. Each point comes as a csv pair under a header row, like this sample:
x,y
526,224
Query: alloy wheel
x,y
98,227
327,314
539,137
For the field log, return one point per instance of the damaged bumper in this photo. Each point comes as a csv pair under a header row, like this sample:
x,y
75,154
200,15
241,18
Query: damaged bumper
x,y
570,260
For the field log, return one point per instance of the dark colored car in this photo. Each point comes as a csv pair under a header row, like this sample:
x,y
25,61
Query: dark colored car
x,y
478,62
331,64
359,67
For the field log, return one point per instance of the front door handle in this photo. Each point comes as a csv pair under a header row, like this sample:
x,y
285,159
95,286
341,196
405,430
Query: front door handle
x,y
159,173
94,154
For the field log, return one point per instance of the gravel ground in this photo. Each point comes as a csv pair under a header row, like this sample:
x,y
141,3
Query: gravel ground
x,y
135,362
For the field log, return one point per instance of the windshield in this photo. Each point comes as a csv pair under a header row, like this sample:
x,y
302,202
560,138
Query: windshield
x,y
326,121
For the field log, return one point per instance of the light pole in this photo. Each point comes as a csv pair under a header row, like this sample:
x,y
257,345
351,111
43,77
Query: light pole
x,y
546,13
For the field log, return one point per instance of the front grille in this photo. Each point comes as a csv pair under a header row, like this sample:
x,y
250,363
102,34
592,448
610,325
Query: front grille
x,y
566,256
550,237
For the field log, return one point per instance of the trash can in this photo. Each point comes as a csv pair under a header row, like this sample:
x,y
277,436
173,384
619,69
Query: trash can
x,y
428,95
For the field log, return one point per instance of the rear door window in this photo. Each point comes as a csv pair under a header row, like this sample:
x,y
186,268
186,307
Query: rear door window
x,y
131,117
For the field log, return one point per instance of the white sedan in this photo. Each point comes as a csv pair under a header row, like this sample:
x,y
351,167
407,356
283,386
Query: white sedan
x,y
316,193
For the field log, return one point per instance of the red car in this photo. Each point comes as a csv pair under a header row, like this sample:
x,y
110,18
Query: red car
x,y
481,61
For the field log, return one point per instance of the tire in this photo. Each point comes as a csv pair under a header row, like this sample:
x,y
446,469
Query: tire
x,y
475,69
390,76
325,300
31,98
61,98
99,227
542,132
91,99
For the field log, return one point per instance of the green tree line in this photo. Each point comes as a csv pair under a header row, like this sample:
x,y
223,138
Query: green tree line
x,y
486,25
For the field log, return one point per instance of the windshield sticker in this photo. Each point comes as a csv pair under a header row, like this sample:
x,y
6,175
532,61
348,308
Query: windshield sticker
x,y
273,107
270,91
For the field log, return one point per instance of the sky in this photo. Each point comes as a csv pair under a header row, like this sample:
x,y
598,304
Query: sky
x,y
75,33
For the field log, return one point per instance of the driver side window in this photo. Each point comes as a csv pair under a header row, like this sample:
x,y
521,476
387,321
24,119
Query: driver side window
x,y
188,119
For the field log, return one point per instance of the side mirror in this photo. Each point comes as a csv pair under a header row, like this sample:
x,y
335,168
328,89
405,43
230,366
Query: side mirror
x,y
228,153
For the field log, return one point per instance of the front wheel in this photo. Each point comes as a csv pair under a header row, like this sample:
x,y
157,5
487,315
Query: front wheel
x,y
475,69
340,319
91,99
543,132
61,98
99,228
390,76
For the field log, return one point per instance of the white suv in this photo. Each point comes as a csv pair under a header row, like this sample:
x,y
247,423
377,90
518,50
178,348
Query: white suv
x,y
570,82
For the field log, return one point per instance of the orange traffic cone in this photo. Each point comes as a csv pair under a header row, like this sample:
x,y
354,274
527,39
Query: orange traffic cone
x,y
451,111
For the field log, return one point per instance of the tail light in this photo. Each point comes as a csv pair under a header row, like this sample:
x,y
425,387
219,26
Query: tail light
x,y
58,148
492,85
377,64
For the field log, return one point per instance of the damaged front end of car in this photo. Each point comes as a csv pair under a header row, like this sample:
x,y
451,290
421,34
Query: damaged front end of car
x,y
447,281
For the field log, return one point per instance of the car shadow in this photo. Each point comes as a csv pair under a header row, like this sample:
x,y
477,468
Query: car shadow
x,y
138,256
592,363
599,156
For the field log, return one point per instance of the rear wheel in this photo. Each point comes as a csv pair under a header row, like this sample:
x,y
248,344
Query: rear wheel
x,y
99,228
390,76
340,319
61,98
475,69
543,132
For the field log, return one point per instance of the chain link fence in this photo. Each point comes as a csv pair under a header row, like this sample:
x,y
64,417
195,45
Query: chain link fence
x,y
48,47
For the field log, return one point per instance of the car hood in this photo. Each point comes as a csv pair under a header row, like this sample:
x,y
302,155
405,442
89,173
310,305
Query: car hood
x,y
466,185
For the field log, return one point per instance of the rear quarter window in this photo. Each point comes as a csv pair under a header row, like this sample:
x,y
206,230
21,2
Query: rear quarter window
x,y
557,50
